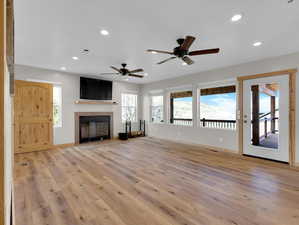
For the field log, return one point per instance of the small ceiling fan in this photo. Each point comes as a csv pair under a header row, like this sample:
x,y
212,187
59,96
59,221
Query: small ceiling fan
x,y
182,51
123,71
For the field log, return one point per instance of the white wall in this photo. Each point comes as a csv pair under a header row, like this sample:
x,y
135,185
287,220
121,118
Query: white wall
x,y
70,93
225,139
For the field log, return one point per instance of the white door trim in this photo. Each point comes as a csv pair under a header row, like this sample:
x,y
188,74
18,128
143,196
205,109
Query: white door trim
x,y
292,109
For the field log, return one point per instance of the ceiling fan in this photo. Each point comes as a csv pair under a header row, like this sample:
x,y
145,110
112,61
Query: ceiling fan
x,y
123,71
182,51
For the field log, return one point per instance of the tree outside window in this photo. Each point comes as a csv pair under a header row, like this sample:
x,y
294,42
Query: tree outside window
x,y
157,109
129,107
57,106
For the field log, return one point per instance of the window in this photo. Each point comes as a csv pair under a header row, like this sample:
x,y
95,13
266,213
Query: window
x,y
218,107
129,107
181,108
57,106
157,109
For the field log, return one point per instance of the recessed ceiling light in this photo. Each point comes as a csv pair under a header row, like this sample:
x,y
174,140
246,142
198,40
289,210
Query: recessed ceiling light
x,y
236,17
104,32
256,44
184,64
63,68
145,74
75,58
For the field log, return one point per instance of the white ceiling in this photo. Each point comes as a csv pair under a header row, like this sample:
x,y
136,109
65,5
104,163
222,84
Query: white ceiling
x,y
50,32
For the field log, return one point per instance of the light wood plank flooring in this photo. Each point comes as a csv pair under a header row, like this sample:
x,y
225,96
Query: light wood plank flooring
x,y
148,181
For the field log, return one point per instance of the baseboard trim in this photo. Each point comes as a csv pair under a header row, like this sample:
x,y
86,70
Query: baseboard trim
x,y
67,145
232,153
208,147
59,146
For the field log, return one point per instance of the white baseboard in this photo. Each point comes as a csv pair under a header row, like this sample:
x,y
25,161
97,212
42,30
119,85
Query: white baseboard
x,y
208,147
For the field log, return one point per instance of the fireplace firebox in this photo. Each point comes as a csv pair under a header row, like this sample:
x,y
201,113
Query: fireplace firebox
x,y
92,126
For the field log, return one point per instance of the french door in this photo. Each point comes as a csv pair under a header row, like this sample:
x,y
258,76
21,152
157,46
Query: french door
x,y
266,117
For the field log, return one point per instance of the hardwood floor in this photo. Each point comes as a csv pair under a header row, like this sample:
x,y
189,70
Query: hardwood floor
x,y
147,181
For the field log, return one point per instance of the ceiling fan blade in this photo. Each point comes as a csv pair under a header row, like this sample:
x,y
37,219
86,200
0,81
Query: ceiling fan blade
x,y
166,60
159,51
109,73
187,43
116,69
135,75
136,71
205,51
187,60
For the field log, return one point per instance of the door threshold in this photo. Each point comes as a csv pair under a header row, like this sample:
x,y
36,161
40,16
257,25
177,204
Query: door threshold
x,y
272,160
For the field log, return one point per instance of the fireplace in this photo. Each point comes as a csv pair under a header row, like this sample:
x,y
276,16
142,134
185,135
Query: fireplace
x,y
92,126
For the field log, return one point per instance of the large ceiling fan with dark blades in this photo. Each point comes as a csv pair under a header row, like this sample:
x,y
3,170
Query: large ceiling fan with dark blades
x,y
182,51
123,71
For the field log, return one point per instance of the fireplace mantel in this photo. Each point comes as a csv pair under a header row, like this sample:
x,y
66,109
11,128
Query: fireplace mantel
x,y
79,114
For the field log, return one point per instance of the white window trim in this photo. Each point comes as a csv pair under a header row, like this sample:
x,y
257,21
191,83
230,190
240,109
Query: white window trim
x,y
163,107
137,106
61,103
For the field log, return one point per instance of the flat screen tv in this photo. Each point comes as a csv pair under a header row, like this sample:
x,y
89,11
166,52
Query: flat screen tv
x,y
95,89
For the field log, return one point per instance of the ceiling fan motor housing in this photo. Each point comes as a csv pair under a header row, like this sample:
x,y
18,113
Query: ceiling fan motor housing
x,y
124,71
179,52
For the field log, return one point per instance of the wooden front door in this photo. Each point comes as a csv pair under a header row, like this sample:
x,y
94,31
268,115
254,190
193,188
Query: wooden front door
x,y
33,116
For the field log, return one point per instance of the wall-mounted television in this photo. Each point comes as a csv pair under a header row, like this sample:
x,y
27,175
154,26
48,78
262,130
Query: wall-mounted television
x,y
95,89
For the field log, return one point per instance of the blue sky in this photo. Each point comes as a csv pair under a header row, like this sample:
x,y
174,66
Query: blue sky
x,y
188,99
219,106
216,99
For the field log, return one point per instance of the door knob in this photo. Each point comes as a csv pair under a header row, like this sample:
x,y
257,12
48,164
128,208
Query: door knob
x,y
245,121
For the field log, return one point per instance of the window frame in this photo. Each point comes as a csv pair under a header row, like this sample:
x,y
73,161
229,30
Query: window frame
x,y
60,125
122,106
170,105
217,85
163,108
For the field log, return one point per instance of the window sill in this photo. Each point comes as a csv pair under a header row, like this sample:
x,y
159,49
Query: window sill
x,y
157,122
124,122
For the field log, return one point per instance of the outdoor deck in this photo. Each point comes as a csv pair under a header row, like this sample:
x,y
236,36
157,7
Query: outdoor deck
x,y
270,142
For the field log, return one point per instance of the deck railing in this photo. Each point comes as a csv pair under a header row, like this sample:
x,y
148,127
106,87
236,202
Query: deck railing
x,y
265,126
222,124
181,121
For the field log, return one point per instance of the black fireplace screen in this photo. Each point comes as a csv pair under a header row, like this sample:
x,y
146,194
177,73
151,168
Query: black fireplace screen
x,y
94,128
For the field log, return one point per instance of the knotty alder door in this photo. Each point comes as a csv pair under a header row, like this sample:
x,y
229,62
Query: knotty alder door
x,y
33,116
